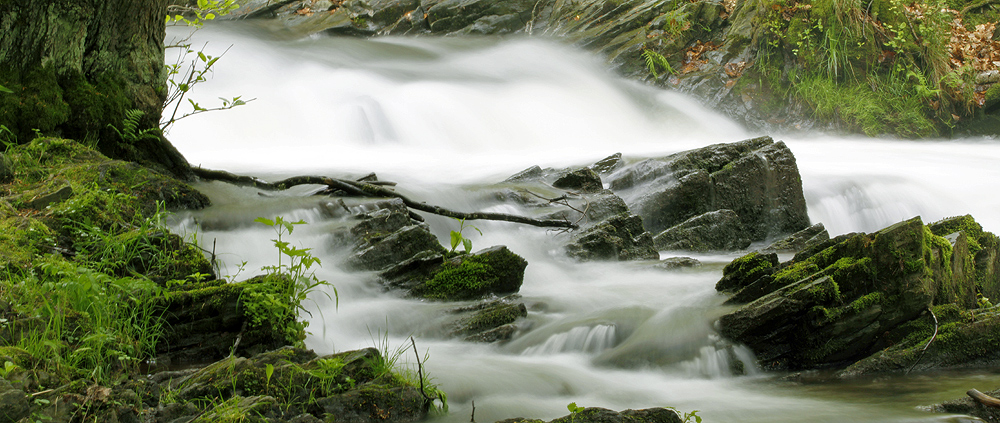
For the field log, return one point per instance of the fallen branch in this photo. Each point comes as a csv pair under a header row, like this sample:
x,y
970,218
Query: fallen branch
x,y
369,189
983,398
928,342
975,6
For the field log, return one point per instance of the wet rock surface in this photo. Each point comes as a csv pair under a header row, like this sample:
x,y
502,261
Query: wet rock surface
x,y
864,302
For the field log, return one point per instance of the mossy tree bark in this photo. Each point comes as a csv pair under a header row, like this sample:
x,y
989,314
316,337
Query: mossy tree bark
x,y
76,67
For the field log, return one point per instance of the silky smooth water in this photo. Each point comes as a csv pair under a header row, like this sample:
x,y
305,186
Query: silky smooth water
x,y
447,117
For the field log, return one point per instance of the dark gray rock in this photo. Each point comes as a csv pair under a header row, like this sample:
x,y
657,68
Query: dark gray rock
x,y
489,322
813,235
395,248
674,263
712,231
478,16
533,173
756,178
608,164
581,180
13,403
620,237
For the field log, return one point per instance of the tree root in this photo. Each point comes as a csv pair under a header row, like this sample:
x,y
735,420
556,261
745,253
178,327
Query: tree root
x,y
372,189
983,398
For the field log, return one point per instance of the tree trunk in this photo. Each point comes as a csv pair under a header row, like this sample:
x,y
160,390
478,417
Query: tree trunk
x,y
76,67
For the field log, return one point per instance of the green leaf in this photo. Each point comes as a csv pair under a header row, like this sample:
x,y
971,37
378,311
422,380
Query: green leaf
x,y
456,238
265,221
467,243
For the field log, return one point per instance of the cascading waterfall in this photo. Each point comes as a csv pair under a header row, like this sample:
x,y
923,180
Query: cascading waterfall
x,y
446,117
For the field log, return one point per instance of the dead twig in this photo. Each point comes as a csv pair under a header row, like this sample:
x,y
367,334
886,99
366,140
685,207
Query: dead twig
x,y
367,189
933,337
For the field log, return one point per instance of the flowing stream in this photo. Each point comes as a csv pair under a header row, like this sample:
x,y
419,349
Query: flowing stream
x,y
447,117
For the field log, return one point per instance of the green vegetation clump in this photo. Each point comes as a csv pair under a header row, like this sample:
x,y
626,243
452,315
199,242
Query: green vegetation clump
x,y
881,67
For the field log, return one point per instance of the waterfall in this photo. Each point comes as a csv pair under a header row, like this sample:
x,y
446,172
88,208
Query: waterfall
x,y
448,117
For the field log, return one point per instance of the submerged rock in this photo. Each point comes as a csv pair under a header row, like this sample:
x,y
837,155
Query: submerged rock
x,y
674,263
855,298
490,321
603,415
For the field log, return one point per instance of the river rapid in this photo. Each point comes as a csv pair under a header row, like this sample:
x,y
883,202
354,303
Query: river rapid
x,y
447,117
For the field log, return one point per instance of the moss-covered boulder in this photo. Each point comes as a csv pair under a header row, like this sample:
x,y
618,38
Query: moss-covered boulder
x,y
844,302
209,320
293,384
757,179
495,270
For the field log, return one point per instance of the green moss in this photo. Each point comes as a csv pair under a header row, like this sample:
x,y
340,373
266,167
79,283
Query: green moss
x,y
462,281
866,301
22,239
94,106
795,273
748,265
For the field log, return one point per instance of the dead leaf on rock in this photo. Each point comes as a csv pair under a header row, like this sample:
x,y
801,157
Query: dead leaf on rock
x,y
305,11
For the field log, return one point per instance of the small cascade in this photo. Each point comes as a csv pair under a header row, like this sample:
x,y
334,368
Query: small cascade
x,y
579,339
722,359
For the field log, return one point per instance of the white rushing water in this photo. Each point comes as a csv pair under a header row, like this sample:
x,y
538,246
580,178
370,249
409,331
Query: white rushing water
x,y
445,116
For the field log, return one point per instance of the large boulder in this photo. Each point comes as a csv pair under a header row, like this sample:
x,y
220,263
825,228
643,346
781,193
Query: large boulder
x,y
757,179
835,307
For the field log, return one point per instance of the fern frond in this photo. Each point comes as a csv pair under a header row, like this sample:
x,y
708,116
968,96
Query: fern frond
x,y
654,60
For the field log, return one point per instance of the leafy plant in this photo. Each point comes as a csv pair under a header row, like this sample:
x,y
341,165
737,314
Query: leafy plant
x,y
205,10
130,132
183,75
575,409
687,417
457,237
298,265
8,366
656,60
